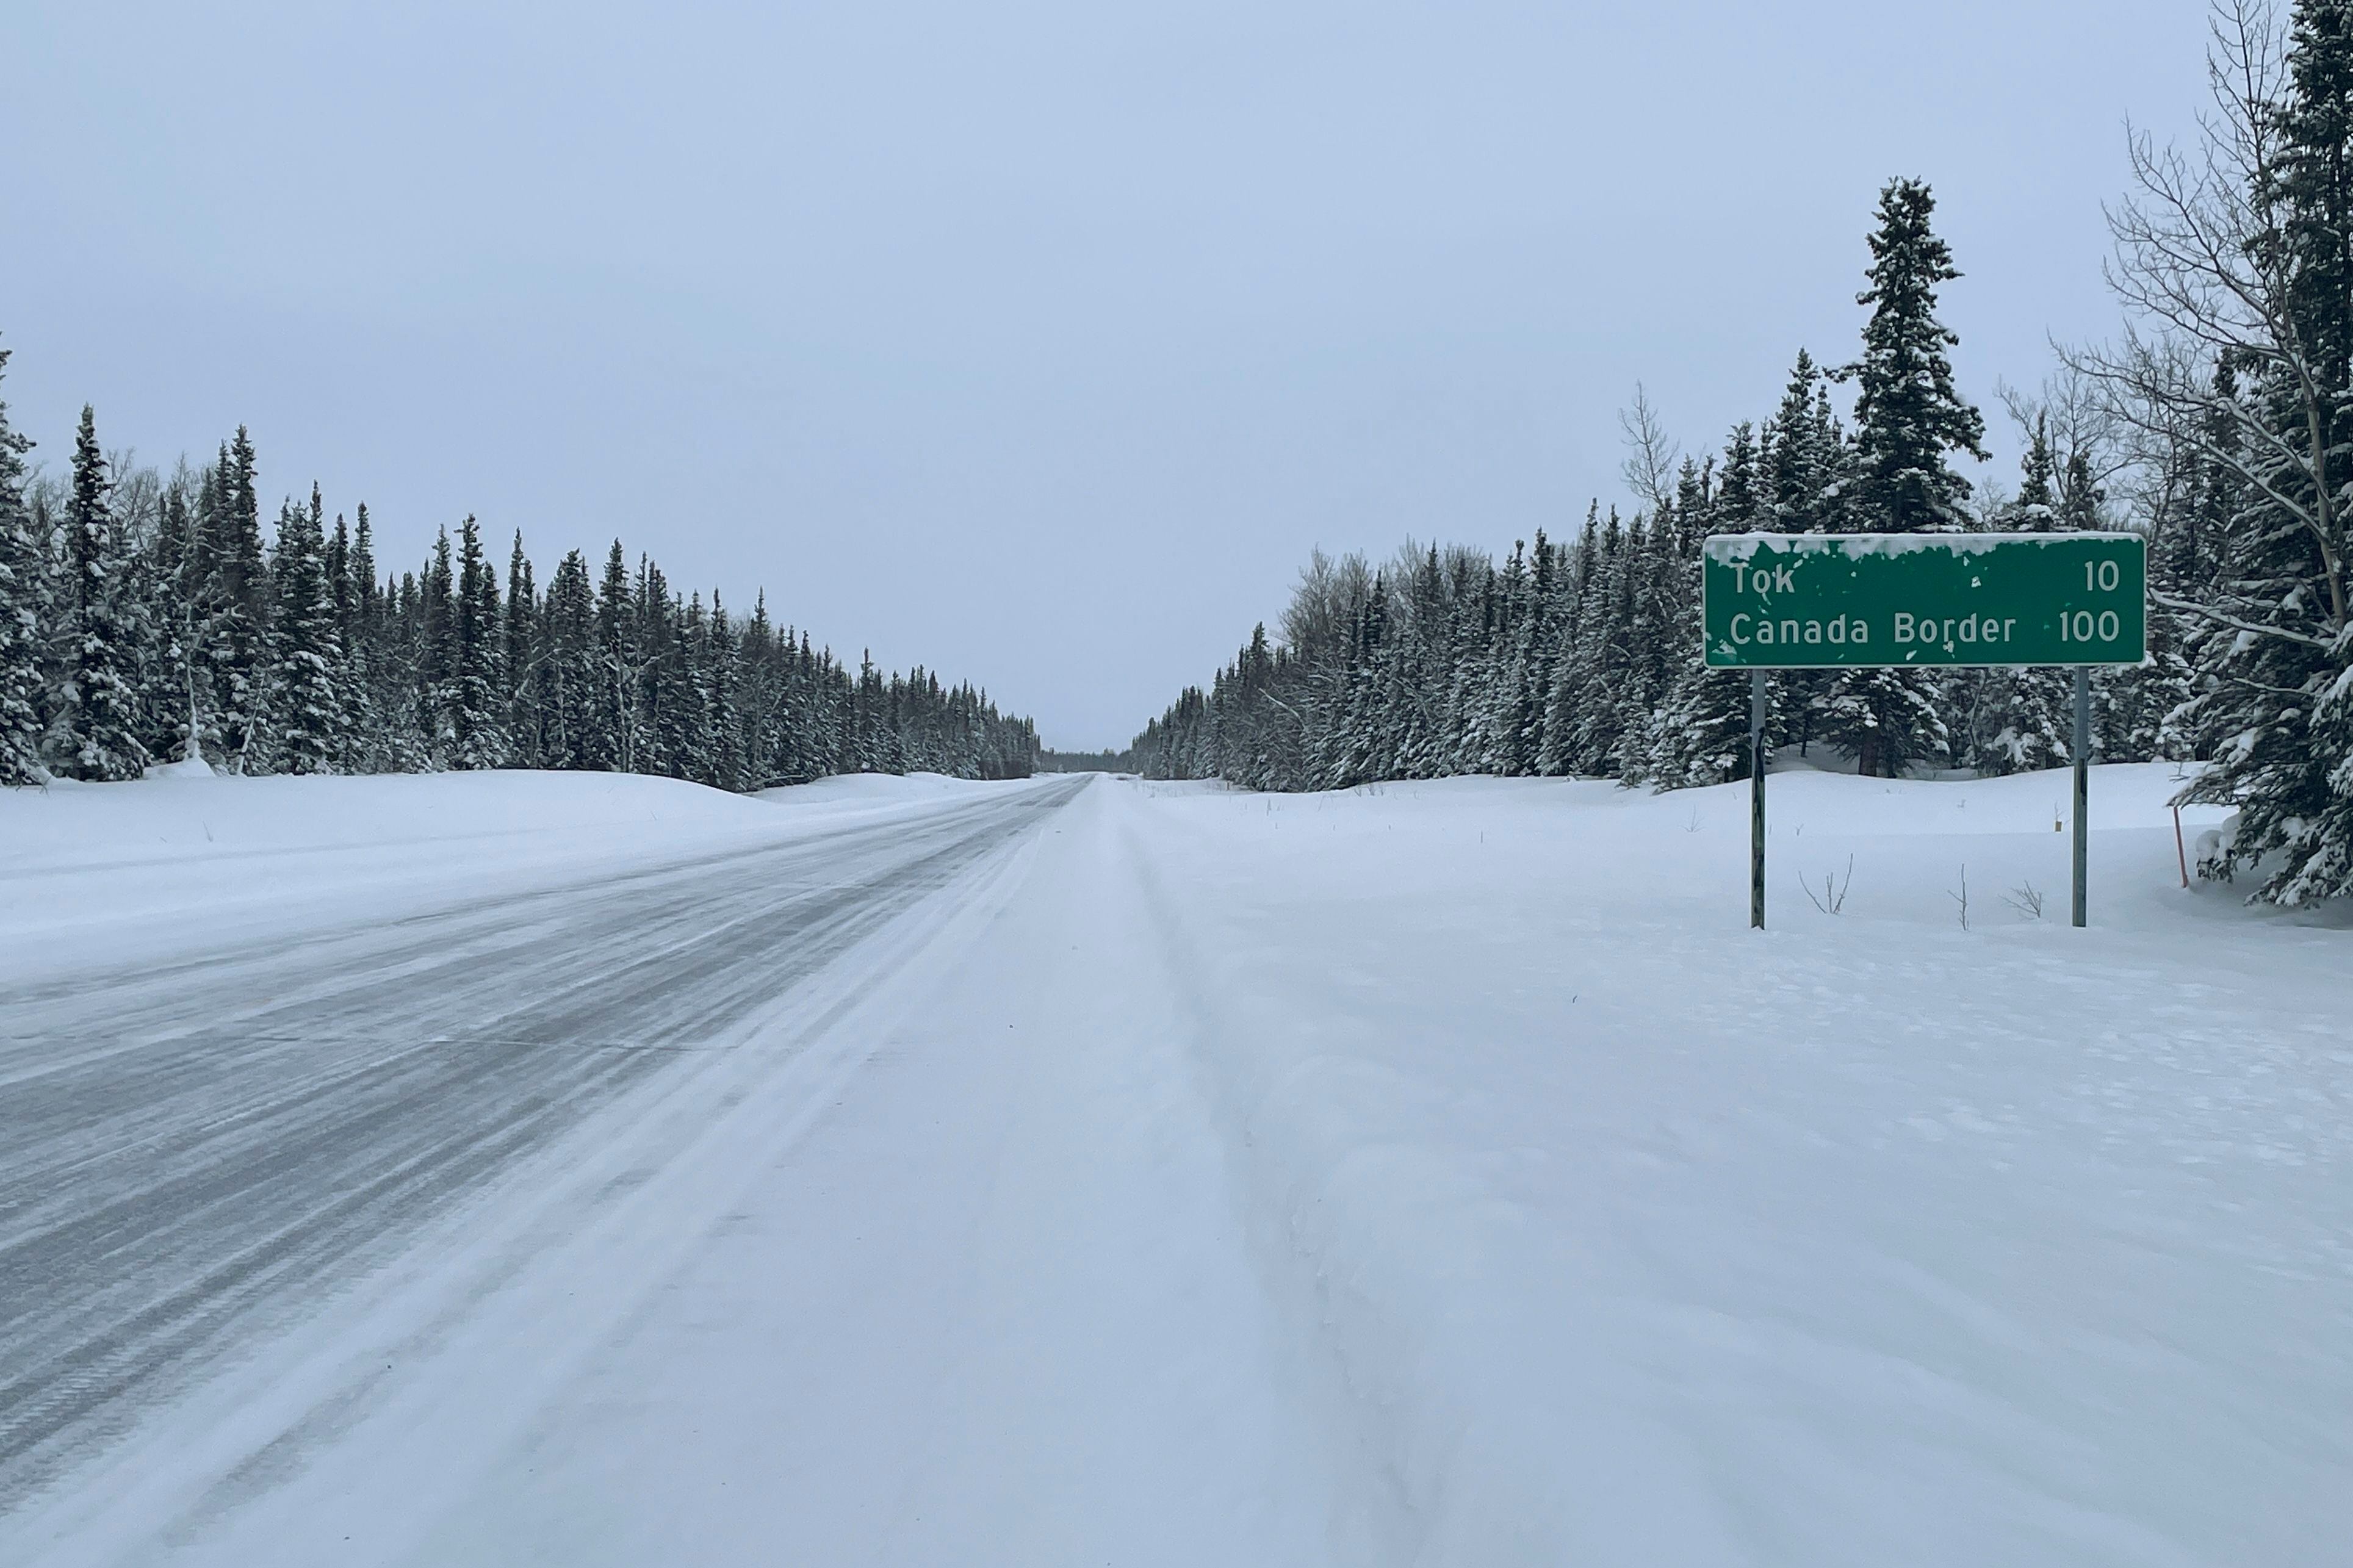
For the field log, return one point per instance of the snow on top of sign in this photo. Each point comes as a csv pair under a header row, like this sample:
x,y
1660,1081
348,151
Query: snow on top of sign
x,y
1743,546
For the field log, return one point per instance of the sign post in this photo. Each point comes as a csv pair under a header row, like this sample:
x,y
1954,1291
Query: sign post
x,y
1895,601
1757,799
2080,749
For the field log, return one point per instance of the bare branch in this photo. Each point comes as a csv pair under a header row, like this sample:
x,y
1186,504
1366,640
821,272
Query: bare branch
x,y
2207,612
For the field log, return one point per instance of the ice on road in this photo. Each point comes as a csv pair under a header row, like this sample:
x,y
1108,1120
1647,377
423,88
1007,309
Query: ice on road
x,y
1059,1173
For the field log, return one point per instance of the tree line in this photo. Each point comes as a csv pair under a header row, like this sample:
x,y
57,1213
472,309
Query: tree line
x,y
2219,426
143,620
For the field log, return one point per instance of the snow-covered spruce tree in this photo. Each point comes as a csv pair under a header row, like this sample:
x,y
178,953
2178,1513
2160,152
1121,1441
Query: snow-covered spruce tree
x,y
2022,718
384,657
1573,578
359,628
1601,658
24,597
696,716
234,611
1908,416
666,693
94,730
1534,645
1702,733
1642,685
614,728
307,696
760,694
568,647
476,705
430,626
239,610
2237,265
168,599
1510,700
520,665
1466,666
1802,485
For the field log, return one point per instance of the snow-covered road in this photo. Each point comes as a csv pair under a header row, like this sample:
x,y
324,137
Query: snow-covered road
x,y
1060,1174
199,1151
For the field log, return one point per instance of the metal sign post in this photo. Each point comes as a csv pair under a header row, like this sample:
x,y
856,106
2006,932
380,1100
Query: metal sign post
x,y
1897,601
1757,799
2082,751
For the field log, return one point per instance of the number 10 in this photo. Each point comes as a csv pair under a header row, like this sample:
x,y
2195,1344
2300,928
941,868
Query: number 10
x,y
2101,576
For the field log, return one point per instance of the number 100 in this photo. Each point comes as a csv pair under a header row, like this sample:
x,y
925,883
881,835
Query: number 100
x,y
2081,626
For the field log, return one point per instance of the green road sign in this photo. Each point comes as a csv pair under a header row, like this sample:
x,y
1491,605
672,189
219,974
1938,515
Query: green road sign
x,y
1813,601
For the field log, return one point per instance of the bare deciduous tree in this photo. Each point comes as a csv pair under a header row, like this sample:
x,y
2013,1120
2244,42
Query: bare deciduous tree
x,y
2204,267
1651,454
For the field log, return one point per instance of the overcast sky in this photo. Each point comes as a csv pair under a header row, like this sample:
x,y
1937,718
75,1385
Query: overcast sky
x,y
1035,342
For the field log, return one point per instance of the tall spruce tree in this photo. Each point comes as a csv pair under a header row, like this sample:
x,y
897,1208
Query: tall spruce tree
x,y
308,699
568,644
477,707
23,601
520,662
1908,418
1908,414
236,607
432,632
1703,729
95,732
2023,718
613,734
170,726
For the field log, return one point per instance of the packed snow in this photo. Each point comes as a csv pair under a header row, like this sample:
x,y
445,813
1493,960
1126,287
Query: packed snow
x,y
1429,1173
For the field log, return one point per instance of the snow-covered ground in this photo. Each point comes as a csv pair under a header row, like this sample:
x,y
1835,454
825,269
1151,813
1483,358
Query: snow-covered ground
x,y
1431,1173
1631,1234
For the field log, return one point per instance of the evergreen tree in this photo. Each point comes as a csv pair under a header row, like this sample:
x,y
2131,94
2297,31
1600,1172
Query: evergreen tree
x,y
22,605
1701,733
568,717
236,610
385,734
2022,718
170,728
723,663
432,633
95,732
1907,417
308,699
1803,465
476,707
1907,413
520,662
614,727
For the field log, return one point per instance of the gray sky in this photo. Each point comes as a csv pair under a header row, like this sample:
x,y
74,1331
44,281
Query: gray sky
x,y
1036,342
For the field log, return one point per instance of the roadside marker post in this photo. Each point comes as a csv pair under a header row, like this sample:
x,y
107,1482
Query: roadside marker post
x,y
1900,601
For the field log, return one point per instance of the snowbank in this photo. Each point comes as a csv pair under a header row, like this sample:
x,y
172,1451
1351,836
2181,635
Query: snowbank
x,y
174,816
176,860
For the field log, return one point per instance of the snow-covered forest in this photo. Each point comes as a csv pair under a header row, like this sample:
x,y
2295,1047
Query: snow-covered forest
x,y
140,610
2217,424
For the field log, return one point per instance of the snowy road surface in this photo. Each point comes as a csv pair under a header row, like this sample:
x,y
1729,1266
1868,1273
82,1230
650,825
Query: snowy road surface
x,y
195,1150
1434,1173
